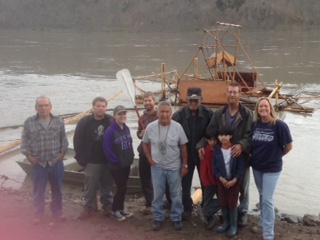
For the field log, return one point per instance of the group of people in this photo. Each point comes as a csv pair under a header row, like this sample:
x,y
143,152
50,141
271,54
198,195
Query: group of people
x,y
221,144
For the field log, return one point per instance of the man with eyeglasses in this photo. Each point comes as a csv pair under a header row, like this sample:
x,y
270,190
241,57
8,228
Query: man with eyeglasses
x,y
239,119
194,119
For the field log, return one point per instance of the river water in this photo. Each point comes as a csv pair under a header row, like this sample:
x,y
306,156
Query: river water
x,y
72,68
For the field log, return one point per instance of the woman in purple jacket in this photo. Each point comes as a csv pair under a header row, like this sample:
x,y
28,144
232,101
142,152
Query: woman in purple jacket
x,y
118,151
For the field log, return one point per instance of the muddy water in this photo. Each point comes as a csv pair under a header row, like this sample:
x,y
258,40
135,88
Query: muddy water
x,y
73,68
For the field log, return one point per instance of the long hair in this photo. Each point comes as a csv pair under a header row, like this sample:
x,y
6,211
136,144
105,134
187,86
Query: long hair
x,y
257,117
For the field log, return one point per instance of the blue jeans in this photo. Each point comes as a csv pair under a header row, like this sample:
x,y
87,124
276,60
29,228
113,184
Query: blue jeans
x,y
266,184
159,178
97,176
40,177
244,192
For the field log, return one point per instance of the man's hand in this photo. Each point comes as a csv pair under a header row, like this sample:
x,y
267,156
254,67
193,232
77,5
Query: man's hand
x,y
184,171
61,156
151,162
32,160
236,150
201,153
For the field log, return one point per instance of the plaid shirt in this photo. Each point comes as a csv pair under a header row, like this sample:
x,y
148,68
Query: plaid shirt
x,y
44,144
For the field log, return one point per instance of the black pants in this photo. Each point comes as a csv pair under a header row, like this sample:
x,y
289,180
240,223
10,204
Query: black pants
x,y
186,186
145,179
120,177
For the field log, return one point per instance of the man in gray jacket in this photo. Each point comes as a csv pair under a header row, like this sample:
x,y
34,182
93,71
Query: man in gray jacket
x,y
239,119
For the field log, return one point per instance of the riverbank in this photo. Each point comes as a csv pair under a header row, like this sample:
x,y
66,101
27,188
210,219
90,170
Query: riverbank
x,y
16,223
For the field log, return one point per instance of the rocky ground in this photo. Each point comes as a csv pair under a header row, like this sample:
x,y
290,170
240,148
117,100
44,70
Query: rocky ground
x,y
16,223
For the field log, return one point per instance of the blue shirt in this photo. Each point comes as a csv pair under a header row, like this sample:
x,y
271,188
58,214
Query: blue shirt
x,y
268,142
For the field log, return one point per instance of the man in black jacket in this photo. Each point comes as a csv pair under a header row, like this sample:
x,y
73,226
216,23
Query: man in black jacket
x,y
87,142
194,119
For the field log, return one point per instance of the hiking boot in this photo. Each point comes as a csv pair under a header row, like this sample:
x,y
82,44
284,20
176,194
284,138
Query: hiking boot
x,y
60,217
157,225
86,213
210,224
186,216
256,229
106,209
125,213
146,210
118,216
177,225
242,220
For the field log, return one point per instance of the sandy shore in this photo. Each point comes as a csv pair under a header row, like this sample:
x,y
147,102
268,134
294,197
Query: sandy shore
x,y
16,223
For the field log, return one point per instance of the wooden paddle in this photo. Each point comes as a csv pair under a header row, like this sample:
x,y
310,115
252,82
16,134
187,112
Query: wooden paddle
x,y
126,82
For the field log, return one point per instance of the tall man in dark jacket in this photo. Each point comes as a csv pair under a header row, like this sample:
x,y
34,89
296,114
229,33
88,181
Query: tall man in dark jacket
x,y
239,119
87,142
194,119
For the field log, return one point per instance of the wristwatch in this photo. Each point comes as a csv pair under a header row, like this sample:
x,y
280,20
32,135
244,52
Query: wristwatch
x,y
185,166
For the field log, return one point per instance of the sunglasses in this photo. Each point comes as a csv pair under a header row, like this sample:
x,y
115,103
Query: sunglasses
x,y
193,100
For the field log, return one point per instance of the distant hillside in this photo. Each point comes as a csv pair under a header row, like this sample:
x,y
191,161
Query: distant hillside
x,y
157,15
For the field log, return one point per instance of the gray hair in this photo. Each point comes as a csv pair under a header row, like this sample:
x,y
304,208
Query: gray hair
x,y
42,97
164,103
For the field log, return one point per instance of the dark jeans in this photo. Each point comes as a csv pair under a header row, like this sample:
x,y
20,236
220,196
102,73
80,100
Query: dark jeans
x,y
120,177
210,204
146,181
186,186
40,177
244,192
228,197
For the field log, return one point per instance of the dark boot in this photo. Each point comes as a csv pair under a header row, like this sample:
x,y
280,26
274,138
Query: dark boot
x,y
225,226
233,222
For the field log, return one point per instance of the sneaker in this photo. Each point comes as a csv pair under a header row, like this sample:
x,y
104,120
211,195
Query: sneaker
x,y
157,225
256,229
210,224
177,225
106,209
86,213
125,213
146,210
60,217
118,216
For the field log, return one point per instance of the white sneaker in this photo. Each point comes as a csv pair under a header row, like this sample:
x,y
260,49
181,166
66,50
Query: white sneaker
x,y
125,213
118,216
